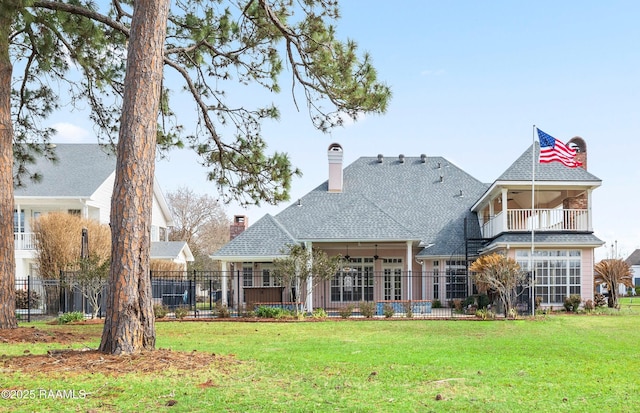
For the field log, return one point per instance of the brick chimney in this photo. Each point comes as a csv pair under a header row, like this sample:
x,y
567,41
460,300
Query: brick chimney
x,y
579,145
335,167
239,224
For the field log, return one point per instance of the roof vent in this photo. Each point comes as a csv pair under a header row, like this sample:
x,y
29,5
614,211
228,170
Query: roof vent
x,y
423,158
380,158
439,165
461,194
441,178
401,158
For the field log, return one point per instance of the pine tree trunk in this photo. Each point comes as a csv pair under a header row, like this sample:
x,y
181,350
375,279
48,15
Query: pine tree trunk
x,y
129,324
7,247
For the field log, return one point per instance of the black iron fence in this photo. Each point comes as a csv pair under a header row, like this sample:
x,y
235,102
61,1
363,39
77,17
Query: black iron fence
x,y
205,293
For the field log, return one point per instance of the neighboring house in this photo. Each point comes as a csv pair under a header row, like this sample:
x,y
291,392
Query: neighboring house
x,y
79,182
177,252
409,226
634,262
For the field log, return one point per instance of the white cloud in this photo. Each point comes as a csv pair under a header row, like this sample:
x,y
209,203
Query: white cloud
x,y
70,133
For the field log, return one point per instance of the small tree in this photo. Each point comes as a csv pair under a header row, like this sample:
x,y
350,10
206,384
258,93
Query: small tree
x,y
301,264
612,272
91,279
501,275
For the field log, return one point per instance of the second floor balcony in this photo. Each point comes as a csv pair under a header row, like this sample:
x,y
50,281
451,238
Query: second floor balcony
x,y
24,240
572,220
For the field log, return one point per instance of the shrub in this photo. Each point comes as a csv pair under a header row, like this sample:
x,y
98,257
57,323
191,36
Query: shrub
x,y
160,311
346,311
70,317
589,306
272,312
22,301
222,311
471,300
599,300
319,313
457,305
367,308
408,309
436,304
572,303
483,301
537,302
388,310
181,312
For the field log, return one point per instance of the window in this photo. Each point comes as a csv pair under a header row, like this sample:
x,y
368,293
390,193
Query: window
x,y
247,274
392,281
18,220
354,283
75,212
268,279
456,277
557,273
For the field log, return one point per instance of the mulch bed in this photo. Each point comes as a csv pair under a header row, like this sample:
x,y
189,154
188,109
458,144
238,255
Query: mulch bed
x,y
89,360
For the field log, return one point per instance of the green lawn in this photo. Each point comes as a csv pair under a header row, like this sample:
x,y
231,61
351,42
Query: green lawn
x,y
558,363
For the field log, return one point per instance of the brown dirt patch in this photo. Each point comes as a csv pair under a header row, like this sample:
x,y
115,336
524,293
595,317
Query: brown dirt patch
x,y
88,360
34,335
82,362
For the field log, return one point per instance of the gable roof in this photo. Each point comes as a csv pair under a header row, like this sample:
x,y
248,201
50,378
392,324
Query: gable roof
x,y
264,239
521,170
170,250
634,258
546,174
424,200
90,164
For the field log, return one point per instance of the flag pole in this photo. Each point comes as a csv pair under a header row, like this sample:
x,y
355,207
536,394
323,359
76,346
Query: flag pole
x,y
533,186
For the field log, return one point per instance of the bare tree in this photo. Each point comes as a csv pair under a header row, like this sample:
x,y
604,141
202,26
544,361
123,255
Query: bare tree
x,y
200,220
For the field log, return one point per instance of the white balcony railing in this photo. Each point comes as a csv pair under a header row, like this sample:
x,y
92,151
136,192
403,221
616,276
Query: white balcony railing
x,y
24,240
539,220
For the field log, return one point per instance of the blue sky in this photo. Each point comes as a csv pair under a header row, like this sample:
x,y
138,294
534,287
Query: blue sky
x,y
469,81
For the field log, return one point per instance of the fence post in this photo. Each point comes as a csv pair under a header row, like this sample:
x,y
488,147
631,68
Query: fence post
x,y
29,298
210,290
192,293
61,309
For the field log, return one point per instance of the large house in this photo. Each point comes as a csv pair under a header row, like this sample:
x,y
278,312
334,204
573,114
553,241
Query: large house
x,y
81,182
409,226
634,262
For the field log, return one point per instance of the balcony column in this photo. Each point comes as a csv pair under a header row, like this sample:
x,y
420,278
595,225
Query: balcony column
x,y
309,246
505,221
589,212
224,269
409,265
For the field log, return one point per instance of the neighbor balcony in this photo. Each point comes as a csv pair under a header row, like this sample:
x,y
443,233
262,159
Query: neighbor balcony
x,y
571,220
24,240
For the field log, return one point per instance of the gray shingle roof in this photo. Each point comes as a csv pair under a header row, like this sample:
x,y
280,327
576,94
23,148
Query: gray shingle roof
x,y
521,169
79,171
548,238
634,258
169,249
390,201
265,238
